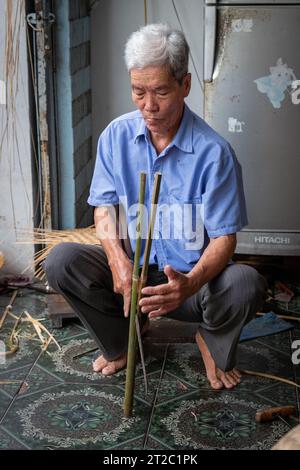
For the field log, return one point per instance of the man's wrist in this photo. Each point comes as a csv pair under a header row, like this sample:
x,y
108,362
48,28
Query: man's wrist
x,y
196,279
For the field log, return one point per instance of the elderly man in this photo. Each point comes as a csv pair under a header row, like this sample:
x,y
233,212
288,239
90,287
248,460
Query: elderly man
x,y
189,282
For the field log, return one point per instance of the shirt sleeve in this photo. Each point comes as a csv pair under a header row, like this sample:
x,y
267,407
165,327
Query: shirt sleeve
x,y
224,200
103,190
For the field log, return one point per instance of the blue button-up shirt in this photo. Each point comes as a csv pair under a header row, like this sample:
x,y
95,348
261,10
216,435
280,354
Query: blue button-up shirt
x,y
199,170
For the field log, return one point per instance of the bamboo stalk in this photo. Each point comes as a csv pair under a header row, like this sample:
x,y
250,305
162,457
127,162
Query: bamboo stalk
x,y
144,273
132,343
154,202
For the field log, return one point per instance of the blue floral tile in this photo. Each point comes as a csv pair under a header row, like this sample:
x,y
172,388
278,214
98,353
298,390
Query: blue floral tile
x,y
16,377
70,330
280,394
222,420
279,342
169,387
5,401
73,362
27,352
185,361
75,417
255,356
7,442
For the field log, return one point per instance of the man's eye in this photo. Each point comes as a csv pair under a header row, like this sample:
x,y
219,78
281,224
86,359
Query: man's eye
x,y
162,93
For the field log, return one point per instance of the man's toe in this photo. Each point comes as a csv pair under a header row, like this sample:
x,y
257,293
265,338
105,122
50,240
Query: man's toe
x,y
235,376
110,369
227,381
215,383
237,373
99,363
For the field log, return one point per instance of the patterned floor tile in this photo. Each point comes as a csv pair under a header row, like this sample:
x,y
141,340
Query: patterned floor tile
x,y
16,376
256,356
38,379
170,387
75,417
280,394
215,420
33,302
70,330
7,442
70,368
5,400
27,352
185,362
139,444
280,342
85,409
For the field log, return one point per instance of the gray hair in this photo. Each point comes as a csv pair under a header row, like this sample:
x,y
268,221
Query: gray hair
x,y
156,45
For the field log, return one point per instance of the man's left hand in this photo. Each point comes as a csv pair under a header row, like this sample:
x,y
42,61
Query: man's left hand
x,y
165,298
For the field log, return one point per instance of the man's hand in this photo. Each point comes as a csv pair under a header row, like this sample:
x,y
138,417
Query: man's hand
x,y
165,298
121,270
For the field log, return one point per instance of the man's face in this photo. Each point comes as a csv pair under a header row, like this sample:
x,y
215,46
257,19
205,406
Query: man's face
x,y
159,97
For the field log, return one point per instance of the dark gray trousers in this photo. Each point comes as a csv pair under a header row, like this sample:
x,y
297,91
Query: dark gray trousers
x,y
221,307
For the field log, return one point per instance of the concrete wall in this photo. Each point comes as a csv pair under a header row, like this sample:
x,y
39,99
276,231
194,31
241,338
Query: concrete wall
x,y
112,21
16,207
74,111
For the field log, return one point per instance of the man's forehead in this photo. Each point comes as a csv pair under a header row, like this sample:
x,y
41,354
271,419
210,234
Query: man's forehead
x,y
151,76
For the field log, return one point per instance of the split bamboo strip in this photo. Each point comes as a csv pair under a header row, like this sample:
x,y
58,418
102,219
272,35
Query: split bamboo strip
x,y
51,238
131,355
269,376
8,308
1,259
9,382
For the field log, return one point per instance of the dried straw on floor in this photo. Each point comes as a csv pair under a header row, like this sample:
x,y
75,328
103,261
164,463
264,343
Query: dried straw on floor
x,y
51,238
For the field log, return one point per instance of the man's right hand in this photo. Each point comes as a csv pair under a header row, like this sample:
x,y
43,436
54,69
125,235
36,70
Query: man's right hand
x,y
121,269
119,263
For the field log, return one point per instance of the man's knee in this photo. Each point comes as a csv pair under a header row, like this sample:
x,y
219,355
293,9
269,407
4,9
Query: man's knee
x,y
239,291
250,288
57,263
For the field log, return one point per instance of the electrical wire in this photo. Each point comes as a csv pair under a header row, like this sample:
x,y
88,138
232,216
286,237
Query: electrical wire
x,y
145,12
192,58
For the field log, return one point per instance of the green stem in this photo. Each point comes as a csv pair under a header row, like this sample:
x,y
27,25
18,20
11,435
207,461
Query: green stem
x,y
132,340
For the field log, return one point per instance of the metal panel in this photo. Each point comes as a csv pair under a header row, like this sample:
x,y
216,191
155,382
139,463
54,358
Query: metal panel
x,y
250,103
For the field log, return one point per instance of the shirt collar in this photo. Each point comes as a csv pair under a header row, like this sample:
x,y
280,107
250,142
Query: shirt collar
x,y
184,136
142,130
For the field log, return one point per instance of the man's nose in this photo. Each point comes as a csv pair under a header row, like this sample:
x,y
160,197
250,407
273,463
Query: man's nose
x,y
151,104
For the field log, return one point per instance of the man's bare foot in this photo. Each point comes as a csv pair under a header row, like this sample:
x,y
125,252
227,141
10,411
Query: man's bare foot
x,y
109,367
216,377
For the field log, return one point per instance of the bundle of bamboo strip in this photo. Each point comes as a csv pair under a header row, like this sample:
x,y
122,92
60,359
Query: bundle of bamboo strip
x,y
51,238
1,259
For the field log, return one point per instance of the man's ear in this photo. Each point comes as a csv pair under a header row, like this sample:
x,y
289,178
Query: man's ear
x,y
186,83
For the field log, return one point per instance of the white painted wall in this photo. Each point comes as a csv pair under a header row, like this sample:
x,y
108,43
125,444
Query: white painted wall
x,y
16,205
112,21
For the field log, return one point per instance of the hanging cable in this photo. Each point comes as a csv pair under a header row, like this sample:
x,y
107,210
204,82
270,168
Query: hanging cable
x,y
178,18
145,12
